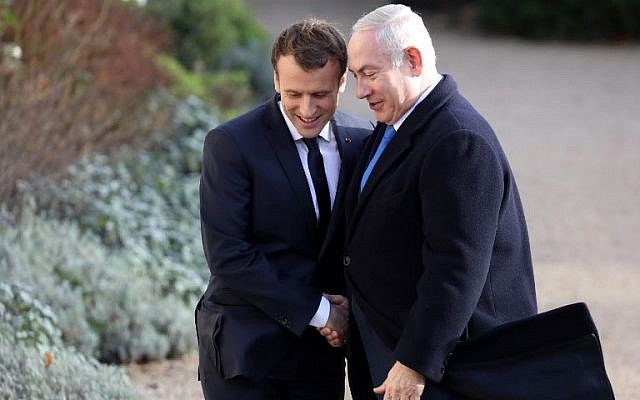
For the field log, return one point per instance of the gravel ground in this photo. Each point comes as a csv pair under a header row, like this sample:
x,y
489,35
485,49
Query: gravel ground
x,y
569,118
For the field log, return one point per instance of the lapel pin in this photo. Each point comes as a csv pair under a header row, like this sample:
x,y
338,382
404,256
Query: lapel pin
x,y
347,139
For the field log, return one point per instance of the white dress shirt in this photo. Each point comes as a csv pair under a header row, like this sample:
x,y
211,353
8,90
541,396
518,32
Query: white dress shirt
x,y
331,158
423,96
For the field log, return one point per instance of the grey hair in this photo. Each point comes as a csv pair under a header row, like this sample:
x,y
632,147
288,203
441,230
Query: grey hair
x,y
397,27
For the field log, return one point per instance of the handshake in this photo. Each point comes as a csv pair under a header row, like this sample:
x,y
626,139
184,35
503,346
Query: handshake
x,y
336,328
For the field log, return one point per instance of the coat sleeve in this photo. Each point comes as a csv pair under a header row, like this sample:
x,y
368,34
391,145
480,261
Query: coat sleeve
x,y
461,188
225,204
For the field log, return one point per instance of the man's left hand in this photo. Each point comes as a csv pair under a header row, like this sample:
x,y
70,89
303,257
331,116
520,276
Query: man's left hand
x,y
402,383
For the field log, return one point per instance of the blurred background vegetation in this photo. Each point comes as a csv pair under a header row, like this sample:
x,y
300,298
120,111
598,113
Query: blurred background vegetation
x,y
582,20
104,105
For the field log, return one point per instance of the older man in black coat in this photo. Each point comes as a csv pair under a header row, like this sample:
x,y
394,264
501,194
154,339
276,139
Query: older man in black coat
x,y
437,246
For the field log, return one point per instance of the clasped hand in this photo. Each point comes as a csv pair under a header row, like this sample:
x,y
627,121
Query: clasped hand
x,y
336,329
402,383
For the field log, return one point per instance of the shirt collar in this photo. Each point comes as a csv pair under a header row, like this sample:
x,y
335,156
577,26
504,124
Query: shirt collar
x,y
326,132
423,96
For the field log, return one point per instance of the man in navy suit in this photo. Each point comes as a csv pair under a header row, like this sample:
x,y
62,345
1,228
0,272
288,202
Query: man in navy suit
x,y
437,249
272,216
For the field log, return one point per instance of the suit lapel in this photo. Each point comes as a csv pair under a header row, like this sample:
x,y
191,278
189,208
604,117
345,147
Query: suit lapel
x,y
348,157
353,194
285,148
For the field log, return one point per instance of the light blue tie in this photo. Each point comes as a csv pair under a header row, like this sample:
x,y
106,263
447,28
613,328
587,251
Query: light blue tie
x,y
386,138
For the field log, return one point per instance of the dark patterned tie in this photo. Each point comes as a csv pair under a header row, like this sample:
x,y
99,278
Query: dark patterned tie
x,y
319,178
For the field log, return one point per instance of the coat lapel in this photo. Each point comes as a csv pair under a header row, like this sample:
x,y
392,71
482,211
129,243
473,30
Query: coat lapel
x,y
285,148
397,149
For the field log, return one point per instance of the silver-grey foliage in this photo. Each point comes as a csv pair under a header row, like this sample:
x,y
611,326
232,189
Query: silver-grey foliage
x,y
35,365
115,247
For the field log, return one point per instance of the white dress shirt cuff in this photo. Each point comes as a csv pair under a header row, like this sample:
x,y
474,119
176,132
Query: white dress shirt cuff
x,y
322,315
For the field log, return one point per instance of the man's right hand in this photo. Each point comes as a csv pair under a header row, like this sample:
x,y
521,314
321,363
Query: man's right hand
x,y
335,331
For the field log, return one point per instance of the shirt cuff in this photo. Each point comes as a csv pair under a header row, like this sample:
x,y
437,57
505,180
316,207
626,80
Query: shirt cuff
x,y
321,317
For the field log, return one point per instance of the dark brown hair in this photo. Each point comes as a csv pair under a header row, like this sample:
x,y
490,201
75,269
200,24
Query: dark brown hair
x,y
312,42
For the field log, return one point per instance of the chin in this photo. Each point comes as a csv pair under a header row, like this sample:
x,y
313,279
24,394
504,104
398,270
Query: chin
x,y
308,134
383,118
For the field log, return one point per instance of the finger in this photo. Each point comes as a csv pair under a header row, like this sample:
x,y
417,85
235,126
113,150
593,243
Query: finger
x,y
415,391
380,389
335,342
326,332
331,333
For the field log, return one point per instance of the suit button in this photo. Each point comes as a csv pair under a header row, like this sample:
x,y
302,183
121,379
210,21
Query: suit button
x,y
346,261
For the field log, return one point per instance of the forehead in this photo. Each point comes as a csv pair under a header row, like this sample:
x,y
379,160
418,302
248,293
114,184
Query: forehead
x,y
293,77
364,51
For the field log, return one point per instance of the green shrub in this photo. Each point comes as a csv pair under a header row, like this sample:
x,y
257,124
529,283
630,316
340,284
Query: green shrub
x,y
562,19
218,35
33,363
205,31
228,90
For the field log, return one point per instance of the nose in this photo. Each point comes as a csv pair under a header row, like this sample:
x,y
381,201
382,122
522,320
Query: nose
x,y
362,89
308,107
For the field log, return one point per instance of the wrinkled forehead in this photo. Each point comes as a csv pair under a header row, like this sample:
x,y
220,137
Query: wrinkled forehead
x,y
363,38
364,50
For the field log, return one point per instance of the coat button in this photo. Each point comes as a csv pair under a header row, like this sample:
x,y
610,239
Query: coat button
x,y
346,261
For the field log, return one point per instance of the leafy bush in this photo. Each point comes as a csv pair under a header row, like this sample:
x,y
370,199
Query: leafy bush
x,y
205,31
75,76
146,202
25,319
563,19
34,365
115,247
230,90
108,304
212,36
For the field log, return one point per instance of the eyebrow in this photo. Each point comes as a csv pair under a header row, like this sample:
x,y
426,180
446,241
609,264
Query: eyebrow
x,y
292,91
361,69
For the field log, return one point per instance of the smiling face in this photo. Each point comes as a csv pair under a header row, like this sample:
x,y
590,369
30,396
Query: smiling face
x,y
309,98
389,91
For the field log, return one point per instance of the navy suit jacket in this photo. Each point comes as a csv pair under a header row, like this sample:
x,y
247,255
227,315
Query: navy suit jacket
x,y
258,228
437,249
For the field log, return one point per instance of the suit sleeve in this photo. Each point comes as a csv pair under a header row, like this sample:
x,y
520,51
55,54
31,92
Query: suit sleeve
x,y
461,188
225,204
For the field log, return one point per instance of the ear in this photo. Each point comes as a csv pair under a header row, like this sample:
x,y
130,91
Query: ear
x,y
415,60
276,83
343,82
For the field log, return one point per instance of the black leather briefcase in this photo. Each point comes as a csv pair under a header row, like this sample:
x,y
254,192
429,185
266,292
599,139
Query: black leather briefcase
x,y
555,355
